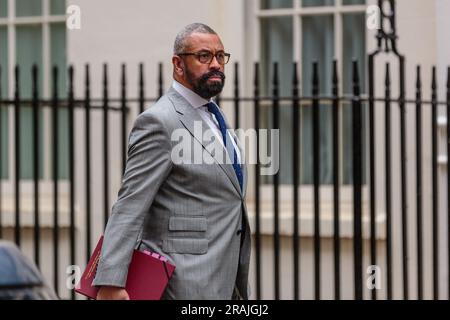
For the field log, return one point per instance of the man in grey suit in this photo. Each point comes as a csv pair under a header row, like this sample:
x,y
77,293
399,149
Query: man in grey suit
x,y
191,212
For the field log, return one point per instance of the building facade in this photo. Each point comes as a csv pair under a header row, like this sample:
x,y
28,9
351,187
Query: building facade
x,y
265,31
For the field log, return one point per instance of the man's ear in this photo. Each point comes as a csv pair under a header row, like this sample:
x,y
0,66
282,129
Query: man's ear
x,y
178,65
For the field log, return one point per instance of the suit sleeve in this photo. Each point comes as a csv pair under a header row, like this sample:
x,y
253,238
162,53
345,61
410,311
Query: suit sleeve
x,y
147,167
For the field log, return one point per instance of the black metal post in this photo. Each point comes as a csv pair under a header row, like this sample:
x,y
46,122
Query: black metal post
x,y
87,106
316,177
123,109
388,182
372,186
105,145
160,80
448,176
1,149
55,126
435,206
71,106
236,96
36,163
141,88
257,185
336,165
296,178
276,231
357,183
17,156
403,178
419,184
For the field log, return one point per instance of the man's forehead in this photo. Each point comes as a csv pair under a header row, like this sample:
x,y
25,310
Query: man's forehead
x,y
199,41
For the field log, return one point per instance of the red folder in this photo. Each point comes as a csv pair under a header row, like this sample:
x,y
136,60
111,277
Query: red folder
x,y
148,274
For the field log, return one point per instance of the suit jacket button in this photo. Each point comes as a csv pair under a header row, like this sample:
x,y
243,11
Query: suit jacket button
x,y
239,232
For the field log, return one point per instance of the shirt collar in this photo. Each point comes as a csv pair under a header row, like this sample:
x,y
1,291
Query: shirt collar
x,y
194,99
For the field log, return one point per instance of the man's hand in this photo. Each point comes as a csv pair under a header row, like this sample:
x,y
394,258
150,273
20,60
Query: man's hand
x,y
112,293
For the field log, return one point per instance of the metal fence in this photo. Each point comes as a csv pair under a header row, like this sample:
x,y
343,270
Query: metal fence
x,y
360,120
296,99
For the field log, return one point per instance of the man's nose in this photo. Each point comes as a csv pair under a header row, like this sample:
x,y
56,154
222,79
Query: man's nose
x,y
215,64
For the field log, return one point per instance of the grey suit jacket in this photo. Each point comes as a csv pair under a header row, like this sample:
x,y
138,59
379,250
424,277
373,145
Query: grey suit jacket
x,y
194,214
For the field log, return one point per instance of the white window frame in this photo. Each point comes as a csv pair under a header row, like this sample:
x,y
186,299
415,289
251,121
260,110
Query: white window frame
x,y
45,183
306,192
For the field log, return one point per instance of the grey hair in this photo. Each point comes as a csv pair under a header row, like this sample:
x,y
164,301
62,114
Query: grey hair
x,y
180,40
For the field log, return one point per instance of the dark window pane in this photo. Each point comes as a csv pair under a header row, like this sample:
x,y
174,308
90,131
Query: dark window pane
x,y
58,54
4,60
277,46
58,58
3,8
276,4
317,3
354,47
5,136
58,7
26,8
4,128
317,45
347,2
29,52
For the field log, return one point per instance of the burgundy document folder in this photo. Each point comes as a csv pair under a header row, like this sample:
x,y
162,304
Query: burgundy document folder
x,y
148,274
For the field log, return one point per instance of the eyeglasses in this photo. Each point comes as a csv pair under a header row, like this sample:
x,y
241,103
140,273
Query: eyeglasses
x,y
206,57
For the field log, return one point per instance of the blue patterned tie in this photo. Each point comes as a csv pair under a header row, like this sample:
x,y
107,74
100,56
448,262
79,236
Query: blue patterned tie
x,y
214,109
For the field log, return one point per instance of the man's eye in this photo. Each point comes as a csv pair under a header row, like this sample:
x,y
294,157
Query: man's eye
x,y
221,55
205,55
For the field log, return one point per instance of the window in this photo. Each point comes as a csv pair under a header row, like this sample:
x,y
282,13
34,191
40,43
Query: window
x,y
4,90
32,32
307,31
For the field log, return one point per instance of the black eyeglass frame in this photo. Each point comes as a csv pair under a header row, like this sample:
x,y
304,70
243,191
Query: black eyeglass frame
x,y
226,56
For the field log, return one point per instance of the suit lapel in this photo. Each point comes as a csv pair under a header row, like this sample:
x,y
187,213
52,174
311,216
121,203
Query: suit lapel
x,y
188,117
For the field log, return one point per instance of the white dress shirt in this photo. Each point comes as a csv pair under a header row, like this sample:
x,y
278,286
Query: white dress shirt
x,y
198,103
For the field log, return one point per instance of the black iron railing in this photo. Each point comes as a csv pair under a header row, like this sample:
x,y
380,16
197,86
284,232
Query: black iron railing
x,y
357,101
386,43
